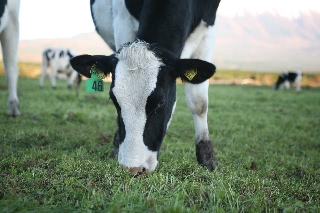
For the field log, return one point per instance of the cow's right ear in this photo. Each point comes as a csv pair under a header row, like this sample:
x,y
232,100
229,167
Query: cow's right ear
x,y
83,63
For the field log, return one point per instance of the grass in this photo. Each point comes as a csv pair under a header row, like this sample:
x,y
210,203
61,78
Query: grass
x,y
55,157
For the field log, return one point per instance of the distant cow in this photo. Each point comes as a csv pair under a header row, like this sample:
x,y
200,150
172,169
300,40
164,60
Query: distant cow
x,y
144,72
289,77
9,36
57,61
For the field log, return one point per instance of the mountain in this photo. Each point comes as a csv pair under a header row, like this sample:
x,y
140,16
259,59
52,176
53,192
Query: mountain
x,y
261,42
87,43
268,41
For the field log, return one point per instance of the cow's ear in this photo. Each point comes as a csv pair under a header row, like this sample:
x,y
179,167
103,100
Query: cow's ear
x,y
83,63
193,70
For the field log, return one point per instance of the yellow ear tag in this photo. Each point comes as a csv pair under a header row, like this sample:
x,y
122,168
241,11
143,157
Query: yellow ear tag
x,y
190,74
95,71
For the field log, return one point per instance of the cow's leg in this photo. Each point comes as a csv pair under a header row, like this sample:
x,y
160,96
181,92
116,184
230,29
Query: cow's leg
x,y
9,42
53,77
201,47
44,68
197,100
72,78
286,84
298,83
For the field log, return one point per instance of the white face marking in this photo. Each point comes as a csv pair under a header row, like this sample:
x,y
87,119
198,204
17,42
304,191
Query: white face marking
x,y
135,79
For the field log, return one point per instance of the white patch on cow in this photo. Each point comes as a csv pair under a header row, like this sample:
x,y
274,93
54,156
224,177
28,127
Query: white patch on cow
x,y
102,15
135,79
125,26
200,43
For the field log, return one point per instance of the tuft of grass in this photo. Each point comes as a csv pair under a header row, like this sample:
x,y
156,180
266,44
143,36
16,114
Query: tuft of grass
x,y
55,157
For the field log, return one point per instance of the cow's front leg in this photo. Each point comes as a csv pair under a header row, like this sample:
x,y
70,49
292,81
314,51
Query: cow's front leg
x,y
9,42
197,100
53,78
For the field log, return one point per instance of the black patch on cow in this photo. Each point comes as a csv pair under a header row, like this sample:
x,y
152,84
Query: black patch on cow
x,y
205,154
134,7
159,109
3,4
70,54
291,76
169,23
46,55
61,54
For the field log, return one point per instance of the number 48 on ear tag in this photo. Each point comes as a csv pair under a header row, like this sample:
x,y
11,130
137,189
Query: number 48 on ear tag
x,y
95,83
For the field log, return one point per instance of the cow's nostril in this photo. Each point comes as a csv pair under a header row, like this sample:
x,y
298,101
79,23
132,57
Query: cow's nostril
x,y
138,171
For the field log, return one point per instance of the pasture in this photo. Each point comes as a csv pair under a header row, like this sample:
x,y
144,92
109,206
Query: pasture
x,y
55,157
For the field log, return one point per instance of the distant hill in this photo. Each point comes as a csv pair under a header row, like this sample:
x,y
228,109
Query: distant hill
x,y
269,42
265,42
88,43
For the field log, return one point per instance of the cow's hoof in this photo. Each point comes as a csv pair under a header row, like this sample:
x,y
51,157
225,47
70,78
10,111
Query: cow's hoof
x,y
205,155
114,152
13,108
54,87
69,87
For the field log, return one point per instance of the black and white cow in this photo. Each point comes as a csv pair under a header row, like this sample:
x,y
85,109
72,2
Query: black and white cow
x,y
289,77
161,35
57,61
9,36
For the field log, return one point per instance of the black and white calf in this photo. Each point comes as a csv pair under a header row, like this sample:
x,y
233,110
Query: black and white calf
x,y
57,61
144,72
289,77
9,36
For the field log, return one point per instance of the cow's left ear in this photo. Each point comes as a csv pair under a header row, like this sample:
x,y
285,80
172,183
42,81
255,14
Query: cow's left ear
x,y
193,70
83,64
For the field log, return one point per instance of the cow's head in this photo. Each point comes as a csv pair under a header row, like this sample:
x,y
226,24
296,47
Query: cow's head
x,y
143,90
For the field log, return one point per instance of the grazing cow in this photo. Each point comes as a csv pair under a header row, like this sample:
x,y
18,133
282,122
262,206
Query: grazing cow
x,y
9,36
289,77
58,59
144,72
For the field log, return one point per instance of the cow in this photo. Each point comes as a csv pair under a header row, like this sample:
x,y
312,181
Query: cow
x,y
158,42
57,61
9,37
289,77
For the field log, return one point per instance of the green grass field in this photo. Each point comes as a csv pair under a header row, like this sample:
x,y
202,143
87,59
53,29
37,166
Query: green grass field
x,y
55,157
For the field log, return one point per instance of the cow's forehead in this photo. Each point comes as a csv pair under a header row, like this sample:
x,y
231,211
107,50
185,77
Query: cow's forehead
x,y
136,74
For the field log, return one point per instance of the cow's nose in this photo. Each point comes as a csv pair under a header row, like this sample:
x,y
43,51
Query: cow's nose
x,y
138,171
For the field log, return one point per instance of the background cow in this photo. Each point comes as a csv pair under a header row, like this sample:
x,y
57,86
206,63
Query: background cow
x,y
57,61
9,36
289,77
145,69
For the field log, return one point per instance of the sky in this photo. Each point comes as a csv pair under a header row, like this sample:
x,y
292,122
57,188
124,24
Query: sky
x,y
67,18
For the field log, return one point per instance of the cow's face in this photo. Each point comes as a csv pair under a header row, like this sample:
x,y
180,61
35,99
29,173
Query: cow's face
x,y
143,91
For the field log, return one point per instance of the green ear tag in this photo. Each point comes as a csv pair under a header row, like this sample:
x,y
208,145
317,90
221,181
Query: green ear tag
x,y
95,83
